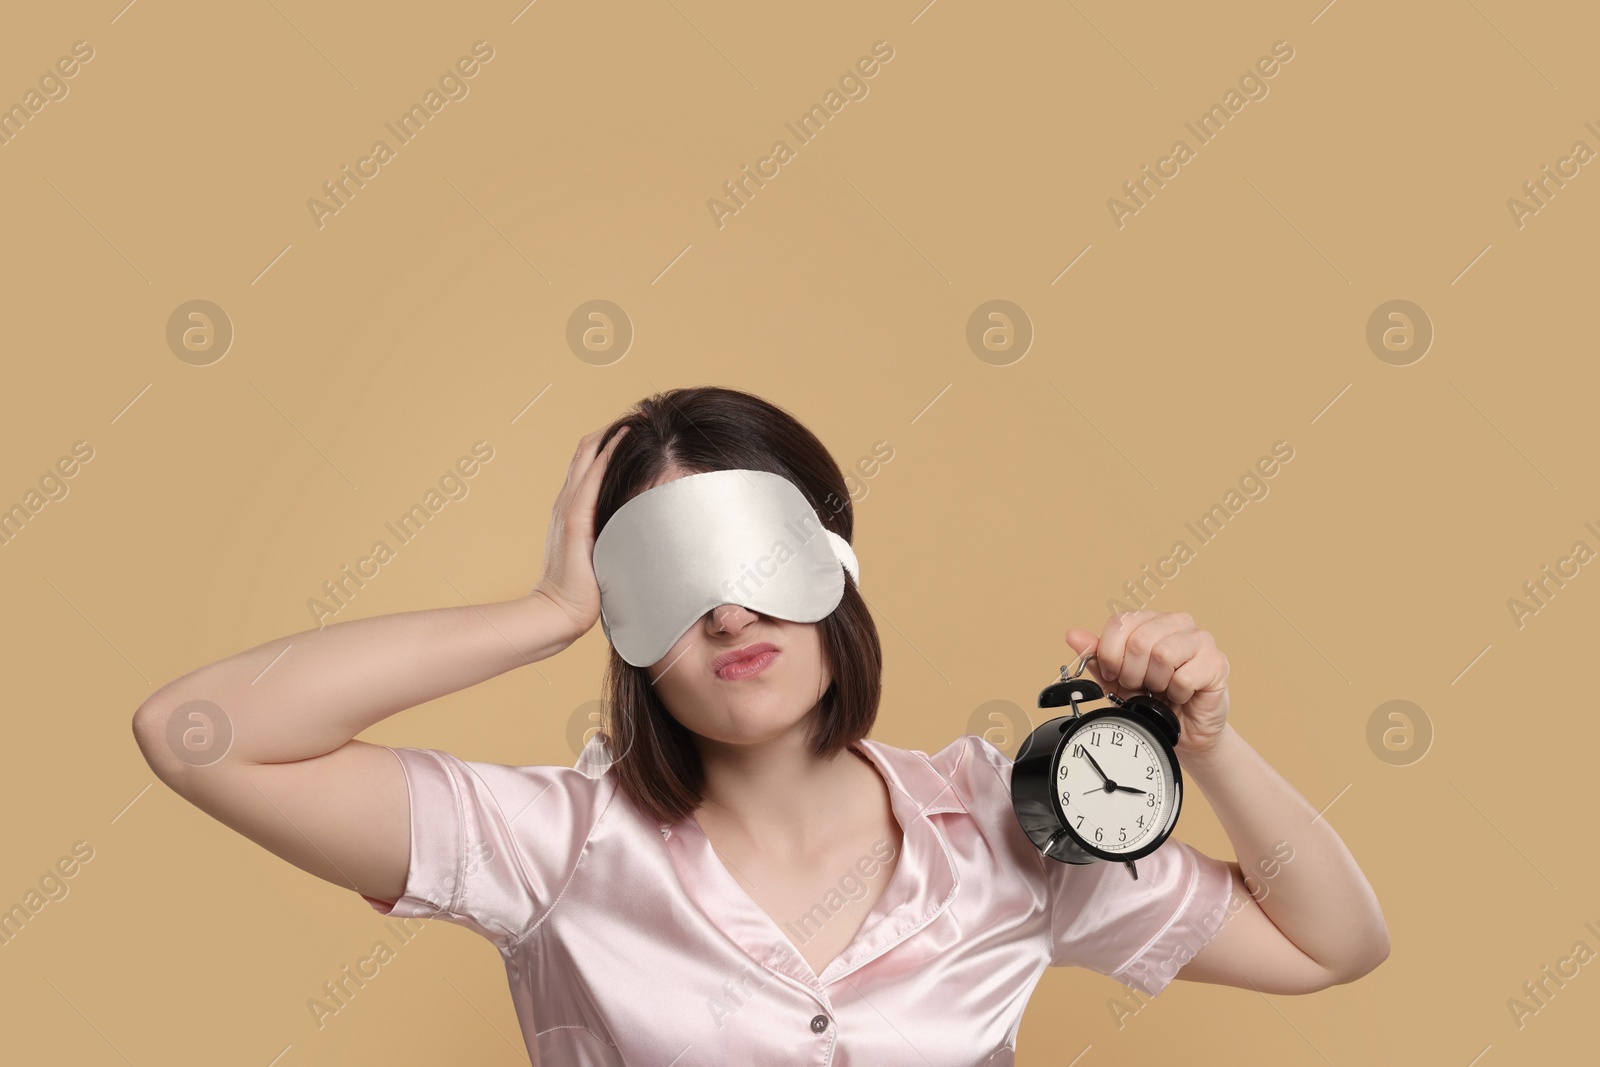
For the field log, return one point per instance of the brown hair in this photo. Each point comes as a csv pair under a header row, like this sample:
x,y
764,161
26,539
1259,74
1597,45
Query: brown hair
x,y
705,429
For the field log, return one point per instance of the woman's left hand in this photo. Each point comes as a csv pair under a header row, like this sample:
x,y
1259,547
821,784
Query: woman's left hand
x,y
1162,653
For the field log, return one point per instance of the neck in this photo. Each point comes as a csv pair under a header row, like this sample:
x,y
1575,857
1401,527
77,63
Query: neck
x,y
779,797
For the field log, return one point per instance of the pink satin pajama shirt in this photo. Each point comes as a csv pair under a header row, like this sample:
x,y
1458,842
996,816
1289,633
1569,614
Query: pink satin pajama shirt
x,y
627,942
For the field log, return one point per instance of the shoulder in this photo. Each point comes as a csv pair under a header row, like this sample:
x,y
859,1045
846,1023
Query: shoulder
x,y
967,775
518,797
971,763
966,787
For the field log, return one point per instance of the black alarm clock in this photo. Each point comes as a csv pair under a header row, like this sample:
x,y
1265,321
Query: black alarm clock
x,y
1101,786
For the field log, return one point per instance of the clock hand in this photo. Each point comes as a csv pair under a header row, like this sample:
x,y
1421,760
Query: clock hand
x,y
1103,775
1128,789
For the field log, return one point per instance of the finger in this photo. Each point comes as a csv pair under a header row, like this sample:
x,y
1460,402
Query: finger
x,y
1205,671
1133,640
597,469
572,472
1141,640
582,459
1081,642
1108,654
588,489
1167,655
588,445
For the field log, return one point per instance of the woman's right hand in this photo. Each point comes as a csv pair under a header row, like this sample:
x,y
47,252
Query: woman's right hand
x,y
568,580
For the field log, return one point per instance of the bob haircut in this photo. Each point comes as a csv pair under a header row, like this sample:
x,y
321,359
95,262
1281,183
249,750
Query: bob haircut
x,y
699,430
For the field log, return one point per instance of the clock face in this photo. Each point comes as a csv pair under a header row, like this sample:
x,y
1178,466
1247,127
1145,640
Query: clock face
x,y
1143,799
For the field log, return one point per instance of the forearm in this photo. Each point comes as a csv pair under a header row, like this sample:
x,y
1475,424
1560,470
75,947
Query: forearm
x,y
307,694
1319,898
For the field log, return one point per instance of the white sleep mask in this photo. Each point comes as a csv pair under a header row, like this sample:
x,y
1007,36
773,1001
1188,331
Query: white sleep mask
x,y
743,537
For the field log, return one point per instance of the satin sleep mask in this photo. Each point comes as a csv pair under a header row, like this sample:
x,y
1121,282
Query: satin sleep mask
x,y
743,537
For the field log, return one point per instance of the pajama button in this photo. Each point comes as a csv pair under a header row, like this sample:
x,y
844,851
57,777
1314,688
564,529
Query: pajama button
x,y
819,1023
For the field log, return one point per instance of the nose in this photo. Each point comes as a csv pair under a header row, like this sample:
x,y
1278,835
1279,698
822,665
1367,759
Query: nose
x,y
731,618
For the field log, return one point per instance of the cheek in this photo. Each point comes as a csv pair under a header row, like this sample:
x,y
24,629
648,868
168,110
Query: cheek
x,y
672,676
689,704
679,661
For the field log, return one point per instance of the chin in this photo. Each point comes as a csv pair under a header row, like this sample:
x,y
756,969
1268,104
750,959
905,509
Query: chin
x,y
753,721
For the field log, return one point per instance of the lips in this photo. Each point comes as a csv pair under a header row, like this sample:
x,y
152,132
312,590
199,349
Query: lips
x,y
740,655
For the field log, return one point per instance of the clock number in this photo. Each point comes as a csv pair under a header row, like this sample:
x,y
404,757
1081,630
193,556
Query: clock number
x,y
1116,737
1077,751
1150,801
1136,750
1124,836
1149,773
1097,833
1063,770
1141,820
1066,798
1080,823
1094,739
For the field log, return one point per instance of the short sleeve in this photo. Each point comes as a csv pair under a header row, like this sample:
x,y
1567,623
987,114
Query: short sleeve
x,y
492,846
1138,931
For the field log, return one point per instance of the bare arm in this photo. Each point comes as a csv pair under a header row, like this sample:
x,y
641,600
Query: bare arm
x,y
1303,916
292,779
271,752
1306,917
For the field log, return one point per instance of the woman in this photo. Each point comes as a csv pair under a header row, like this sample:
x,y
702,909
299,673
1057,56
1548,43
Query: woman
x,y
742,876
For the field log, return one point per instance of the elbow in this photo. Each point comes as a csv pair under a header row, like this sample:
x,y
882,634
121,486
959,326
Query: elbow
x,y
1380,952
148,724
1364,964
182,736
151,734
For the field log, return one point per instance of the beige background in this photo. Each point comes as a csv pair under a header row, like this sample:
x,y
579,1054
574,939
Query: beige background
x,y
1229,313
